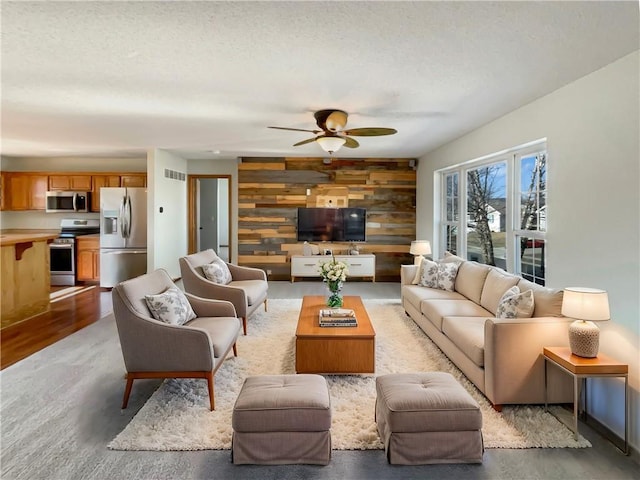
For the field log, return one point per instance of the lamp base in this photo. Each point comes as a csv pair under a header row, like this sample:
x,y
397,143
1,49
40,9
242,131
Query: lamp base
x,y
584,339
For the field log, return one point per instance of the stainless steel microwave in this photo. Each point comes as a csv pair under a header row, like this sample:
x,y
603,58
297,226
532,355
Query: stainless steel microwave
x,y
67,202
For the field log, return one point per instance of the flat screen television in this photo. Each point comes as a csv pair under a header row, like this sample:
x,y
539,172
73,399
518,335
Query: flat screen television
x,y
332,224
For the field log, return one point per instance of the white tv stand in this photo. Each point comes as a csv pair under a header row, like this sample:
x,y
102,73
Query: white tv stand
x,y
363,265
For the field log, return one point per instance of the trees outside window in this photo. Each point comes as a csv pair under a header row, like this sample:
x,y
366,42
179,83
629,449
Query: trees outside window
x,y
499,215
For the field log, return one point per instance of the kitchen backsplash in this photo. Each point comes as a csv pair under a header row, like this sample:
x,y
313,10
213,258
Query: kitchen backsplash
x,y
38,220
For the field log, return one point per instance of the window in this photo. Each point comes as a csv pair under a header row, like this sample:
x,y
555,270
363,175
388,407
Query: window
x,y
503,220
532,222
451,216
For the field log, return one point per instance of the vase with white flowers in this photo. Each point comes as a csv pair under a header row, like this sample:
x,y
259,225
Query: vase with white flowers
x,y
334,274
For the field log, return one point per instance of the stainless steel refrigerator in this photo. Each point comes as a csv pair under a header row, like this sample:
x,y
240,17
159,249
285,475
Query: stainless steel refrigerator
x,y
123,234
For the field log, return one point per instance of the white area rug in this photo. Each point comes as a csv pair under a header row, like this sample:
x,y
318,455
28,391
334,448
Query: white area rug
x,y
177,416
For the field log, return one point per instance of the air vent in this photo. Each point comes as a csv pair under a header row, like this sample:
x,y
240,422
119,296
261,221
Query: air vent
x,y
174,175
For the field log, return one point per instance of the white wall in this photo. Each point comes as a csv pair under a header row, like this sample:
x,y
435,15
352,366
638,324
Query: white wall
x,y
223,166
166,230
592,129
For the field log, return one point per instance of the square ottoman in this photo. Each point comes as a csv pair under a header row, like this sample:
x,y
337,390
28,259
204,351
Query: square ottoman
x,y
428,417
282,419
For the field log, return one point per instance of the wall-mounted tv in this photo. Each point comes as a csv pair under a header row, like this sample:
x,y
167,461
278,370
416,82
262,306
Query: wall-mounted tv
x,y
332,224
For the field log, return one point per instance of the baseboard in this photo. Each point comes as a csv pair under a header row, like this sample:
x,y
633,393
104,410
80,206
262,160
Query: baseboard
x,y
610,435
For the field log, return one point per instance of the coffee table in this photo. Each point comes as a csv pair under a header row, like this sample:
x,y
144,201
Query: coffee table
x,y
334,350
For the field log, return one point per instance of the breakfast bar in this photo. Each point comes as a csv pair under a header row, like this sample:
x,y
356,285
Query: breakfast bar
x,y
24,281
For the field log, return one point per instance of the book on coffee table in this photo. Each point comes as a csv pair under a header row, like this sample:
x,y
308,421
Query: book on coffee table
x,y
337,317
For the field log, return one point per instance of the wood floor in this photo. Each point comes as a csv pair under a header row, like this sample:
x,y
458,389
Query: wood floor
x,y
67,315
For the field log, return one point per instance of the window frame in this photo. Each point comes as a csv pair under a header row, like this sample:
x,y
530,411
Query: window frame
x,y
513,159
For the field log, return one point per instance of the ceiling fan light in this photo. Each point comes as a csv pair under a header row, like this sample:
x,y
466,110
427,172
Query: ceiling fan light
x,y
331,144
336,121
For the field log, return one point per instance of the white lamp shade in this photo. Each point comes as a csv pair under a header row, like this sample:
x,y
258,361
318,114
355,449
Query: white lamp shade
x,y
585,304
420,247
331,144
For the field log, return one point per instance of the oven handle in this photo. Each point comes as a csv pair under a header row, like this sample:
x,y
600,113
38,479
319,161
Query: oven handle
x,y
66,245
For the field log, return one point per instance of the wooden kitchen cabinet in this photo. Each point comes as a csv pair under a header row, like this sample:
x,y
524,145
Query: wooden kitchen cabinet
x,y
79,183
133,180
25,191
99,181
3,191
88,258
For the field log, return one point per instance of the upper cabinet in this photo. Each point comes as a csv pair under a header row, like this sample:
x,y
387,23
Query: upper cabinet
x,y
80,183
133,180
25,191
100,181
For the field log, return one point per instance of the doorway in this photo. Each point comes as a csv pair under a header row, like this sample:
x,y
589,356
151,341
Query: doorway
x,y
210,214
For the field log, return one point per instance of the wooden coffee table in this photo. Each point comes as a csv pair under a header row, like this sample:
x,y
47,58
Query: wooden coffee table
x,y
334,350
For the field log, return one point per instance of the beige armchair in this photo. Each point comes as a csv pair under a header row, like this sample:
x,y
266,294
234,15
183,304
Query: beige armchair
x,y
154,349
247,289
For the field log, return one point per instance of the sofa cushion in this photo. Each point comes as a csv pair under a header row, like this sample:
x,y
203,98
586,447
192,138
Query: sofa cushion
x,y
415,294
467,333
435,310
255,290
497,282
223,332
548,301
515,304
470,280
450,257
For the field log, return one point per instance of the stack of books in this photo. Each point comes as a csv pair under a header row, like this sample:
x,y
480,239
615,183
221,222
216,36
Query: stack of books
x,y
338,317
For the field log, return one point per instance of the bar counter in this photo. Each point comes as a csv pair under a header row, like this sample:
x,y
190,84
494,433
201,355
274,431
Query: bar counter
x,y
25,277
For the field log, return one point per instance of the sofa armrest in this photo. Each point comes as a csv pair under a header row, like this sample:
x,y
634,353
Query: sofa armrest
x,y
246,273
513,360
206,307
407,274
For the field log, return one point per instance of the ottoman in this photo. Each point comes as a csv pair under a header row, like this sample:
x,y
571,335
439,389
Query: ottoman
x,y
427,418
282,419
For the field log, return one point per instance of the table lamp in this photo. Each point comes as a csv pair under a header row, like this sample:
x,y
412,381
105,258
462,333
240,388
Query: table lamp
x,y
586,305
418,249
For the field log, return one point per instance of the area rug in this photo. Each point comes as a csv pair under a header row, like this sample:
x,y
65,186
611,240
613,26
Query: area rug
x,y
177,416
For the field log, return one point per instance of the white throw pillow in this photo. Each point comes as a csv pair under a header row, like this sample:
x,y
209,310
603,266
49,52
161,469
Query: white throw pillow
x,y
170,306
447,273
514,304
440,275
416,277
428,273
217,271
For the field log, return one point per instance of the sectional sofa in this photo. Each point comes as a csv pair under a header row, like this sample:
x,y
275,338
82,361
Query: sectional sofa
x,y
501,356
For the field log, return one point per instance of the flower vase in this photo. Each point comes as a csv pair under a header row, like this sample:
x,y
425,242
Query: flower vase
x,y
334,295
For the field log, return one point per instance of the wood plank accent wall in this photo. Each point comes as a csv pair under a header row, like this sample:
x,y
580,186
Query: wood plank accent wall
x,y
270,190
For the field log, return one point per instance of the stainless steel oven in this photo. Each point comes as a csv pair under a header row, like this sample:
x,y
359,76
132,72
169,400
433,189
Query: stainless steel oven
x,y
62,253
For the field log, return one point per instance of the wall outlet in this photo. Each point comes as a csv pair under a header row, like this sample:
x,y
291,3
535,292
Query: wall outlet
x,y
268,272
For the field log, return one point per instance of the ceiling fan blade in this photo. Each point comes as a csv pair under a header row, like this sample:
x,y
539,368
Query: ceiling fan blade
x,y
303,142
297,129
350,142
369,132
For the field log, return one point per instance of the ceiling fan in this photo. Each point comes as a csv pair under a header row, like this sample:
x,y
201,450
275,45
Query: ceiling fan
x,y
333,136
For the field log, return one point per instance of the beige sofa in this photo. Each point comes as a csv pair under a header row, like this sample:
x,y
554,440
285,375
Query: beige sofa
x,y
502,357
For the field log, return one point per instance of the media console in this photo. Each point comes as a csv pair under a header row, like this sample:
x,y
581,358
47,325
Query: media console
x,y
363,265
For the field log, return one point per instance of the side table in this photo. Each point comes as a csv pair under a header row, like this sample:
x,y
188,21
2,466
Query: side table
x,y
582,368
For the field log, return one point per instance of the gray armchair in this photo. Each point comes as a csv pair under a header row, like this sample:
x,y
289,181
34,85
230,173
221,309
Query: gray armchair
x,y
247,289
154,349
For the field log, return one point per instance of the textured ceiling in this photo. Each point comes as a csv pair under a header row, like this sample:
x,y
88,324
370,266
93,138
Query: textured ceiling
x,y
118,78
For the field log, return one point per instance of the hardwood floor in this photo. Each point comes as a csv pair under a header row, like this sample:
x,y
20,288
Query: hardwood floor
x,y
67,315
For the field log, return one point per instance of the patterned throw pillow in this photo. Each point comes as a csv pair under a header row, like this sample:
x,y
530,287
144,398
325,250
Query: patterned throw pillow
x,y
428,274
217,271
170,307
440,275
447,273
514,304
